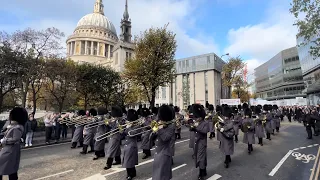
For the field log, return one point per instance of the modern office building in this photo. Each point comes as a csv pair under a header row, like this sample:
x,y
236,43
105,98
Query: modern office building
x,y
198,80
280,77
310,67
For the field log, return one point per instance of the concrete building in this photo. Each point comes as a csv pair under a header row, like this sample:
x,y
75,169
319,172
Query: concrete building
x,y
310,67
280,77
198,80
95,39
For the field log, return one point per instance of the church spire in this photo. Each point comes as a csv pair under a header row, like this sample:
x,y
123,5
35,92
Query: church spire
x,y
126,13
98,7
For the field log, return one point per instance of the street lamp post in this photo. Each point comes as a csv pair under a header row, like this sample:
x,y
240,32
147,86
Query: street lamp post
x,y
227,54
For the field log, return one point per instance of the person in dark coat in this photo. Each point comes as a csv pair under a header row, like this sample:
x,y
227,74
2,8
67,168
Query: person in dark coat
x,y
11,149
146,144
225,133
101,129
114,151
162,165
190,122
201,129
78,133
88,134
130,149
248,130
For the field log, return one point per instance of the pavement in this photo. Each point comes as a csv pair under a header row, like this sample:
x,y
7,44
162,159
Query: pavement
x,y
288,156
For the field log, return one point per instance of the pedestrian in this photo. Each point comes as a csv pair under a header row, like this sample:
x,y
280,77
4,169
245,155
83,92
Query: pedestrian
x,y
30,128
48,123
11,149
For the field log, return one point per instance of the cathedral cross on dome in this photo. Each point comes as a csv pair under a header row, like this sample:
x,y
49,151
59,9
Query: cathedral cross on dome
x,y
98,7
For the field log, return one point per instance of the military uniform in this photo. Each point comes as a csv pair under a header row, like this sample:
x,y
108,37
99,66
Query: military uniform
x,y
88,134
248,135
78,133
146,143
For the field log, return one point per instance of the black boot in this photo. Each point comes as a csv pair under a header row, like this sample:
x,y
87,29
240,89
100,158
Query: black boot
x,y
272,131
73,145
201,174
260,141
179,135
277,128
84,149
227,161
129,174
118,160
236,138
91,149
109,163
147,153
249,149
81,144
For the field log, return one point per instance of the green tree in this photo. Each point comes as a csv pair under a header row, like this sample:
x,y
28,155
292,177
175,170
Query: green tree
x,y
153,63
232,72
242,94
307,14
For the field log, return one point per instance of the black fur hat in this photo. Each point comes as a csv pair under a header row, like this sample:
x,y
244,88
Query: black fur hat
x,y
93,112
210,107
239,107
245,106
124,110
81,112
176,109
275,107
102,111
218,108
227,112
165,113
252,108
269,107
132,115
257,110
198,111
248,112
116,111
190,109
259,106
265,107
19,114
234,110
145,112
154,110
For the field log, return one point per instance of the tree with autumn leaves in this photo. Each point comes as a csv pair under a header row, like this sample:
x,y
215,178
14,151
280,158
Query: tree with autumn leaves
x,y
153,63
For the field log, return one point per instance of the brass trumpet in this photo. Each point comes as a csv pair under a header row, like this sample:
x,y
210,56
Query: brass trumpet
x,y
99,123
154,127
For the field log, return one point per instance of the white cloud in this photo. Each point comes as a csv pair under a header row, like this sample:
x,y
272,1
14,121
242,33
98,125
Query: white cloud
x,y
144,14
262,41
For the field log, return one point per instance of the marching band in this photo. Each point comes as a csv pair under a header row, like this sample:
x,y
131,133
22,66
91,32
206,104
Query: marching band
x,y
162,126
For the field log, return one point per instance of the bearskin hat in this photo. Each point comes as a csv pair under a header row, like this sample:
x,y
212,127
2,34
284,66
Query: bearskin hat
x,y
218,108
257,110
211,107
239,107
102,111
252,108
234,110
265,107
259,106
190,109
245,106
165,113
176,109
227,112
269,107
207,104
154,110
19,114
132,115
93,112
275,107
198,111
123,108
81,112
248,112
116,111
145,112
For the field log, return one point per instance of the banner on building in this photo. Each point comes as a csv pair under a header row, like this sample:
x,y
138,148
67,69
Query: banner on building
x,y
230,102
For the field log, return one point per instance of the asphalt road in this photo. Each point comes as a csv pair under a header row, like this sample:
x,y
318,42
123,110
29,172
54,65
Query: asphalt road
x,y
273,161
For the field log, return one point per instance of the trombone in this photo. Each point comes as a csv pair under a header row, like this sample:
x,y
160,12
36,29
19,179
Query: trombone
x,y
154,127
120,128
72,121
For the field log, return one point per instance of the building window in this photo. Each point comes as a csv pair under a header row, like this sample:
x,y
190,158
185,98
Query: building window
x,y
111,51
128,56
206,85
164,93
95,48
106,50
187,63
101,53
83,47
72,47
89,47
208,60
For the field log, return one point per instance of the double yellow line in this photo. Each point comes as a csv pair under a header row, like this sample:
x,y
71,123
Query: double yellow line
x,y
316,168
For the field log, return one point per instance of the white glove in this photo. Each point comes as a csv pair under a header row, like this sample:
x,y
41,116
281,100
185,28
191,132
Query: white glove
x,y
160,127
1,141
196,124
221,129
128,125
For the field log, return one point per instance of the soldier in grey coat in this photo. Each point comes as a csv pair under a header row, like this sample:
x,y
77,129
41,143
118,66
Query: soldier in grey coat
x,y
278,120
89,134
162,165
237,119
201,130
114,151
248,130
130,149
259,130
10,152
146,144
225,132
209,118
78,133
179,119
268,126
101,129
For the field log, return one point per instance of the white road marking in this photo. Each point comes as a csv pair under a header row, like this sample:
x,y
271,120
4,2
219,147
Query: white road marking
x,y
315,165
71,170
175,143
95,177
117,170
178,167
302,147
276,168
44,146
215,177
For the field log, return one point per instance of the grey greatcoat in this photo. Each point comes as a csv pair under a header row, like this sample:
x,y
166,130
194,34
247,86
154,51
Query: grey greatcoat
x,y
268,124
114,142
10,153
236,123
210,123
179,117
78,134
162,165
89,134
173,140
277,121
200,145
248,137
146,143
226,144
259,130
99,145
130,150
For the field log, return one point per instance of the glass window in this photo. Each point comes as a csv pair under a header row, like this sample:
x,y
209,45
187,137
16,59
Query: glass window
x,y
187,63
83,47
72,47
111,51
95,48
106,50
88,47
164,93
